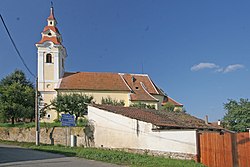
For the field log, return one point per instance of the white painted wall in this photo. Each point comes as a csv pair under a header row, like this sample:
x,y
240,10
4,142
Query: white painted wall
x,y
117,131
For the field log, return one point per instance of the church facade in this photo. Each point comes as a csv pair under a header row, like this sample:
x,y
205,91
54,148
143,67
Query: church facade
x,y
52,78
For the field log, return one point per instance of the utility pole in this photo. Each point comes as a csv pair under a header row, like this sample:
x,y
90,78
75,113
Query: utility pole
x,y
37,115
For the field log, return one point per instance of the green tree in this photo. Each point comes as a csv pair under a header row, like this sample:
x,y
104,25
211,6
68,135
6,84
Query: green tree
x,y
113,102
17,97
17,76
74,104
168,106
237,117
142,105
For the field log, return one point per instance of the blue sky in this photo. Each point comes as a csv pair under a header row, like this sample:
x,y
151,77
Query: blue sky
x,y
197,51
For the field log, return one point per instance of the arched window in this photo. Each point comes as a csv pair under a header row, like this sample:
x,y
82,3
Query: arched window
x,y
48,58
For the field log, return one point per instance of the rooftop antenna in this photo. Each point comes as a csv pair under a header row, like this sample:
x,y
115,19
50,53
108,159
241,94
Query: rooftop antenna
x,y
142,68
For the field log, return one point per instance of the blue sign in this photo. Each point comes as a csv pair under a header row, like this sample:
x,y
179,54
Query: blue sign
x,y
68,120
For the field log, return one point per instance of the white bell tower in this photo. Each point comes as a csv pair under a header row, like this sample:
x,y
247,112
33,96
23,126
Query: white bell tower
x,y
51,59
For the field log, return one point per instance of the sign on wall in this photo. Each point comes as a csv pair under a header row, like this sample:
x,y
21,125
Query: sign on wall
x,y
68,120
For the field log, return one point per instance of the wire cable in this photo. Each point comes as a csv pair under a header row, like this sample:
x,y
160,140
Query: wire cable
x,y
12,41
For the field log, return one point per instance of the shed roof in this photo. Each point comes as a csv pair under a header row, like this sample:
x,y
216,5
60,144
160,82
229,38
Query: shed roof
x,y
162,119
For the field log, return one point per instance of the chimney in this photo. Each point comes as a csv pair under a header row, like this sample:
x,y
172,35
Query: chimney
x,y
206,119
219,122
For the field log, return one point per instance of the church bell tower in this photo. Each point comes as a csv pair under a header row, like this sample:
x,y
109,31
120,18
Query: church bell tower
x,y
51,59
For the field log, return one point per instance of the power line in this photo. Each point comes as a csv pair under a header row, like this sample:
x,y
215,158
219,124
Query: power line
x,y
142,132
12,41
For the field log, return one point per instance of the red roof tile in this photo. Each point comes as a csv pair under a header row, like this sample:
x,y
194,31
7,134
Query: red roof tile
x,y
55,40
142,87
134,80
93,81
169,99
159,118
53,28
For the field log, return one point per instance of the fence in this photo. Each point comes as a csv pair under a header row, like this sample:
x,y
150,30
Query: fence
x,y
243,152
229,150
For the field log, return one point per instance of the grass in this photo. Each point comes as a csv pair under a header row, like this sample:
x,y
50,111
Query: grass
x,y
110,156
21,124
32,124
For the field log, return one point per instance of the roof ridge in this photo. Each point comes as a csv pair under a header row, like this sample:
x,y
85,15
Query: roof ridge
x,y
175,101
125,82
143,87
153,84
134,74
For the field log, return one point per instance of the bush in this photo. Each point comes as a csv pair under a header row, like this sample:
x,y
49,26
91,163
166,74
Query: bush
x,y
142,105
169,106
82,122
112,102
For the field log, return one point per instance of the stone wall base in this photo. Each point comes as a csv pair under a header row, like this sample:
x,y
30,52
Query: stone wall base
x,y
61,136
172,155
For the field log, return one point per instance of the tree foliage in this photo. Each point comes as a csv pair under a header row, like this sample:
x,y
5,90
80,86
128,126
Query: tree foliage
x,y
237,117
74,104
17,76
142,105
113,102
17,97
168,106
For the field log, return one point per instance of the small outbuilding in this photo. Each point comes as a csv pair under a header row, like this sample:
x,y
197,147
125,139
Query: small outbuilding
x,y
172,134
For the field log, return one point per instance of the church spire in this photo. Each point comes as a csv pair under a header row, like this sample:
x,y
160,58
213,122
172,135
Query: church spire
x,y
51,19
50,32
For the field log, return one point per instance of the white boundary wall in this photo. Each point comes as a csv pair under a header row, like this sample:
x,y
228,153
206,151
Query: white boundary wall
x,y
117,131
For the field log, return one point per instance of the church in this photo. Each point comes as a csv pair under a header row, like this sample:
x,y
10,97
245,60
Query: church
x,y
53,79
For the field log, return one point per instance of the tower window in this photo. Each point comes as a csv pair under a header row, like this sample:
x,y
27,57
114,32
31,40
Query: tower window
x,y
51,23
49,34
48,58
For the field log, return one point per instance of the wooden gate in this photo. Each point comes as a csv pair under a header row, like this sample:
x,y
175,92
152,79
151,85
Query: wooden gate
x,y
243,149
227,149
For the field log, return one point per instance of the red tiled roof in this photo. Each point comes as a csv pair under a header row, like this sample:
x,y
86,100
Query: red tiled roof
x,y
53,28
159,118
51,16
142,87
93,81
111,81
134,80
169,99
55,40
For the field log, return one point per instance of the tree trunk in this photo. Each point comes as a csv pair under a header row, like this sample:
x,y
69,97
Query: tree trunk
x,y
12,120
76,119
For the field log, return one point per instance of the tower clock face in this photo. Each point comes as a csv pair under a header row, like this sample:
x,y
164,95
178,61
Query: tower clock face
x,y
48,86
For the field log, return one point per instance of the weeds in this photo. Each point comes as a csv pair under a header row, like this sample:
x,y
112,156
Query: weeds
x,y
110,156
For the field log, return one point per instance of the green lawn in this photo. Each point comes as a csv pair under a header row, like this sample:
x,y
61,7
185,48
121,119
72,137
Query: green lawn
x,y
29,125
32,124
111,156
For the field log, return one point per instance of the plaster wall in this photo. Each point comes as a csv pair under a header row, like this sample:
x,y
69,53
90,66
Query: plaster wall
x,y
117,131
51,115
98,95
160,98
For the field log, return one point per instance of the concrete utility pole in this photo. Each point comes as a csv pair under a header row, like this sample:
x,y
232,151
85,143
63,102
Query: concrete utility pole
x,y
37,116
